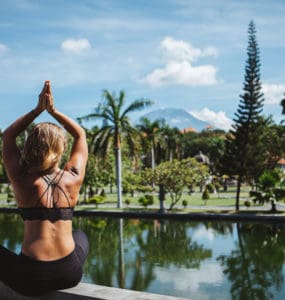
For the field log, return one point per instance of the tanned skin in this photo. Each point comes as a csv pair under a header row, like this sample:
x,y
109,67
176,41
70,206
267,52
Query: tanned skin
x,y
45,240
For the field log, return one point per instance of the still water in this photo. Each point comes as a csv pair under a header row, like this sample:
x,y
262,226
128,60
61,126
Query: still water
x,y
197,260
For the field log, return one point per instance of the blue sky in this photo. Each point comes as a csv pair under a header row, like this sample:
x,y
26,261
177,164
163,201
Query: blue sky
x,y
179,53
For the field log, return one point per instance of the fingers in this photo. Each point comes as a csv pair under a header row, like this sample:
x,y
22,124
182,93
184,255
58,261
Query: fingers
x,y
47,87
41,106
45,97
50,105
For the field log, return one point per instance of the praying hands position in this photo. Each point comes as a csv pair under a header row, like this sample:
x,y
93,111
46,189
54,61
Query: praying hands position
x,y
52,253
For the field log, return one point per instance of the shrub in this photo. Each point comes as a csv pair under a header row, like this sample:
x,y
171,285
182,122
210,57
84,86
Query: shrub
x,y
96,200
10,195
146,200
126,187
217,186
257,197
150,199
268,180
206,194
145,188
247,203
127,201
103,194
279,193
142,200
254,194
184,203
210,188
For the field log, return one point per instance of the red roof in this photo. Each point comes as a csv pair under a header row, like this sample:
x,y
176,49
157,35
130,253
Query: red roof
x,y
189,129
281,161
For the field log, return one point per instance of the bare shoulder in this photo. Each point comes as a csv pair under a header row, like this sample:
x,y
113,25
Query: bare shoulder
x,y
74,174
72,182
27,189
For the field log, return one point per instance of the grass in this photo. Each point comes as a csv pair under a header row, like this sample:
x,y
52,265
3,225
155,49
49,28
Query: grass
x,y
224,200
195,199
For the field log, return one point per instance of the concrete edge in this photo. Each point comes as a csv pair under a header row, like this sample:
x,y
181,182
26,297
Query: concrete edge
x,y
86,291
207,216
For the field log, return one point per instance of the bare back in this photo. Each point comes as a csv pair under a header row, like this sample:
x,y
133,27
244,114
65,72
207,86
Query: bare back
x,y
43,239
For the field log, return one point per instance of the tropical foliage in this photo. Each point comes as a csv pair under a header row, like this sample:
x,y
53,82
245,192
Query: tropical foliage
x,y
115,129
153,157
177,175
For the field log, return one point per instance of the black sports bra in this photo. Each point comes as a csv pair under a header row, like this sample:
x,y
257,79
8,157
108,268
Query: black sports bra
x,y
52,212
44,213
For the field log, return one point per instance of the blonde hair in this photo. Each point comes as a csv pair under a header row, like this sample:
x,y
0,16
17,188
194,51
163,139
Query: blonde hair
x,y
43,148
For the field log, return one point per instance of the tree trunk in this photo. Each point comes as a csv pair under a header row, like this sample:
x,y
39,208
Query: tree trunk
x,y
152,163
121,256
238,191
170,155
273,206
119,177
85,194
152,158
161,198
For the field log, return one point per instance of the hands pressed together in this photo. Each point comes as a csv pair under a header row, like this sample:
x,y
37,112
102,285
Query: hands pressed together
x,y
45,99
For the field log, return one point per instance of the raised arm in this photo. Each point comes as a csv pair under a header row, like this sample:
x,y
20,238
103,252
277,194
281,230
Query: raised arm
x,y
11,152
79,152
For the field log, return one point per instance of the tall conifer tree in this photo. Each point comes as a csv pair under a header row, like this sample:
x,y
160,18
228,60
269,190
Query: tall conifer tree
x,y
244,152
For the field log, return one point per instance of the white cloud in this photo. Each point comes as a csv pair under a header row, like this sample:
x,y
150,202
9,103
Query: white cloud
x,y
181,51
273,93
178,57
75,46
217,119
202,232
191,280
182,73
3,48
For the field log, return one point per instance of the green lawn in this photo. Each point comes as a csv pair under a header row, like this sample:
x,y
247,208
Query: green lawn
x,y
223,199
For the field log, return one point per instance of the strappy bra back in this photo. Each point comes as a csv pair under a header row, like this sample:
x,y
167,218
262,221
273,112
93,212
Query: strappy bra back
x,y
44,213
51,212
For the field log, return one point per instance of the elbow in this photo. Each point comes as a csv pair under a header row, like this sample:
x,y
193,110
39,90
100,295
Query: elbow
x,y
9,133
80,138
80,134
6,134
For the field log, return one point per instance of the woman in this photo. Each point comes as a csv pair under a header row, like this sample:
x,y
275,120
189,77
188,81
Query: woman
x,y
52,254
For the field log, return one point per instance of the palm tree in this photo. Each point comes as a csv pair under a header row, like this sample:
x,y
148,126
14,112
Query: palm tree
x,y
116,125
171,137
151,135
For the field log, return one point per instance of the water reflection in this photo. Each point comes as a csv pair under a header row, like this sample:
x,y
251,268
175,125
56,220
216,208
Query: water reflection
x,y
255,265
142,246
11,231
212,260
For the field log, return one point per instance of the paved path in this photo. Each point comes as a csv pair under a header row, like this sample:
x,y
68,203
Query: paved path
x,y
262,208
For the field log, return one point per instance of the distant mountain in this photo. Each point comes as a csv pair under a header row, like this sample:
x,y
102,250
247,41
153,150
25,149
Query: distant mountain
x,y
176,117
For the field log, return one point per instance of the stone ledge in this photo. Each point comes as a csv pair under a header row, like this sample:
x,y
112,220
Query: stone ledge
x,y
191,216
86,291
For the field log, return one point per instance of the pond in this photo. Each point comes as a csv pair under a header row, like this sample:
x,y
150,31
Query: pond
x,y
197,260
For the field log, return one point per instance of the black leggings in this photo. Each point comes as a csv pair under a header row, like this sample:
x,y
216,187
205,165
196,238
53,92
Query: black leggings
x,y
32,277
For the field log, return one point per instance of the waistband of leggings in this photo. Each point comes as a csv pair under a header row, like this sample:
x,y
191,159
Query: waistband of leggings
x,y
70,256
